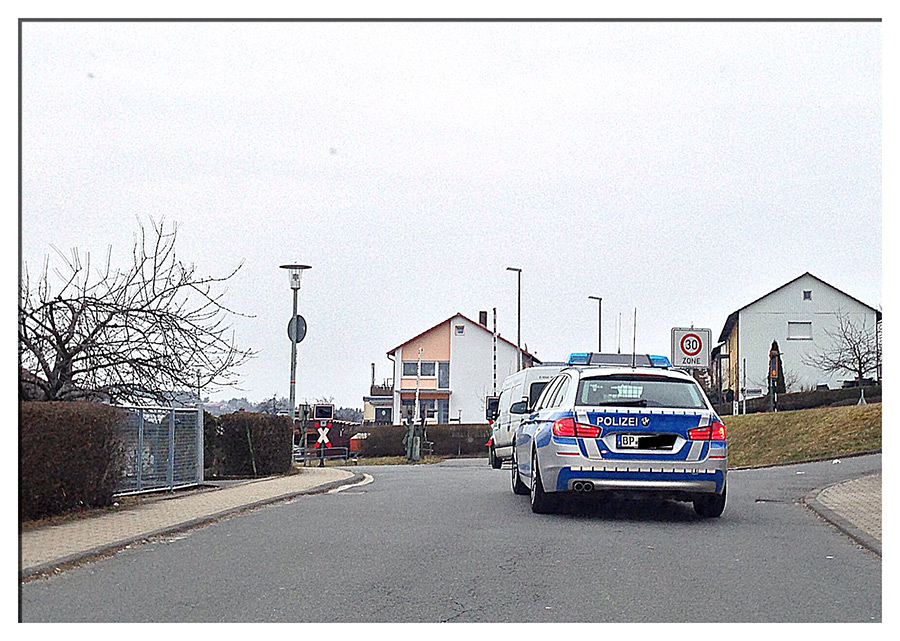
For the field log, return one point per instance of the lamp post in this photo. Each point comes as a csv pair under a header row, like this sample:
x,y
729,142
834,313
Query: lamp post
x,y
599,322
518,317
295,272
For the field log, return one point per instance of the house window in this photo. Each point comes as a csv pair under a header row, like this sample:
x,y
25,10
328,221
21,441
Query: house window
x,y
799,330
409,368
427,368
807,294
443,411
444,375
459,330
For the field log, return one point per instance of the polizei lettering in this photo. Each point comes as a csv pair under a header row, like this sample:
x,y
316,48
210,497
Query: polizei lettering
x,y
617,421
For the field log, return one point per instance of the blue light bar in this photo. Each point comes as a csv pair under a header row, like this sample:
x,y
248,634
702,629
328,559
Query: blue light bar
x,y
618,360
659,361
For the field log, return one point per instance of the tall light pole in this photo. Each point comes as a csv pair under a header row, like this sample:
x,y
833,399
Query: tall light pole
x,y
599,322
295,272
518,317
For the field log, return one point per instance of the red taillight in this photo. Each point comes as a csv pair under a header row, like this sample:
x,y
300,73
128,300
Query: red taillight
x,y
568,427
714,432
718,432
564,427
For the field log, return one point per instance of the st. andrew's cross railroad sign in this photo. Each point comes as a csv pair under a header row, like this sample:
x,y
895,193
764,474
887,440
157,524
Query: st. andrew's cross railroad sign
x,y
690,347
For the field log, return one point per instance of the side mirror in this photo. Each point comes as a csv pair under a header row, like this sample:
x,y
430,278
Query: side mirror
x,y
492,408
519,407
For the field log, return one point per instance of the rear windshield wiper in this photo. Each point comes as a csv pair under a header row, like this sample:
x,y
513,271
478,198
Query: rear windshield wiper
x,y
635,402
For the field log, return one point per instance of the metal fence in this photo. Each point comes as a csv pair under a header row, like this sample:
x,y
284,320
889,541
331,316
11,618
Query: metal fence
x,y
163,449
321,454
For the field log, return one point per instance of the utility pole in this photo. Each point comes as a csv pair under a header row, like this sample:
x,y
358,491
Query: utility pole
x,y
518,317
418,372
599,322
494,388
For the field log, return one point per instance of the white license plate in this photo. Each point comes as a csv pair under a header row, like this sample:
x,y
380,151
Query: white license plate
x,y
628,440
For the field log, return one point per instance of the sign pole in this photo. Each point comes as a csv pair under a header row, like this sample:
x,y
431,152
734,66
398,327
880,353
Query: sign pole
x,y
293,361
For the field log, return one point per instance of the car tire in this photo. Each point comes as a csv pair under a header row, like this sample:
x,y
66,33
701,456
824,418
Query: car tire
x,y
710,506
496,463
518,487
541,502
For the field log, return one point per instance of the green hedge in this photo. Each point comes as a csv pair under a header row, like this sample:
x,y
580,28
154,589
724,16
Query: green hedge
x,y
70,456
808,400
452,439
230,451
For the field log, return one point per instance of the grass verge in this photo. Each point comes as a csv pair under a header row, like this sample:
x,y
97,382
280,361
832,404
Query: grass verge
x,y
799,435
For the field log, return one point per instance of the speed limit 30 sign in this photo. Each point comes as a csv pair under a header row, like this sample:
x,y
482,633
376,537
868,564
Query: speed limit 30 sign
x,y
690,347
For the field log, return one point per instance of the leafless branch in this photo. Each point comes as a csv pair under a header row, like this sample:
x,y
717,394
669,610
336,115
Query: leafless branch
x,y
852,348
140,333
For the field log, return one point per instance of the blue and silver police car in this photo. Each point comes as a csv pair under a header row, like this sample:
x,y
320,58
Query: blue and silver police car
x,y
621,425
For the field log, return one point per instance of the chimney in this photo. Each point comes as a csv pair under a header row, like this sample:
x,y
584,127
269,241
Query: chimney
x,y
482,318
373,374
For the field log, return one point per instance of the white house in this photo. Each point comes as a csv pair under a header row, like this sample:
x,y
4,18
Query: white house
x,y
454,372
798,315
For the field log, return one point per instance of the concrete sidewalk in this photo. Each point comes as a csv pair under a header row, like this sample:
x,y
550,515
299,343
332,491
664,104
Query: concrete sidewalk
x,y
854,507
45,548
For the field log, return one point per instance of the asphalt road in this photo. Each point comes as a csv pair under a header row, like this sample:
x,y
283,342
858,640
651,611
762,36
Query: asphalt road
x,y
450,542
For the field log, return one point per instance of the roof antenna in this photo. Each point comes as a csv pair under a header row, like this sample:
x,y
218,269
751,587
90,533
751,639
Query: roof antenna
x,y
619,335
634,340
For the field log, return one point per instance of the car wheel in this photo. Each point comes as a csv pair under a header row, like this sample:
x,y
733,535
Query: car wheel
x,y
541,502
492,457
518,487
710,506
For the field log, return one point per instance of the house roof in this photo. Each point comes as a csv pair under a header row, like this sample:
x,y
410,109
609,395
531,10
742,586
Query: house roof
x,y
479,325
732,318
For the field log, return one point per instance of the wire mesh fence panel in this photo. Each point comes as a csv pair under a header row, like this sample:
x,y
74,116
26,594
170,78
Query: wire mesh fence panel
x,y
163,449
129,436
185,461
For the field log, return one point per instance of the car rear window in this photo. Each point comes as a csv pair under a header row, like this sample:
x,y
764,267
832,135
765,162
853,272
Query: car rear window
x,y
535,391
639,391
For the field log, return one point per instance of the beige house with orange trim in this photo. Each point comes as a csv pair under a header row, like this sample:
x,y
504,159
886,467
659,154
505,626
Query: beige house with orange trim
x,y
454,371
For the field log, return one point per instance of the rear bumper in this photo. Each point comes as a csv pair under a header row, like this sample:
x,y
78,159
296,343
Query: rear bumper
x,y
701,477
503,453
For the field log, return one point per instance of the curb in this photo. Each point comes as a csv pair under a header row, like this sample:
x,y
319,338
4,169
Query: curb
x,y
108,549
809,460
861,537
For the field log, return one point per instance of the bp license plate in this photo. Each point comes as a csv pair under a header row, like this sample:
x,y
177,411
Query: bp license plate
x,y
629,441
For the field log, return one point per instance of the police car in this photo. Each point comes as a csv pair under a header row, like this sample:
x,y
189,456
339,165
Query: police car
x,y
625,425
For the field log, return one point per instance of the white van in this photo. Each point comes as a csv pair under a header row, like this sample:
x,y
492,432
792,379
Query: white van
x,y
522,387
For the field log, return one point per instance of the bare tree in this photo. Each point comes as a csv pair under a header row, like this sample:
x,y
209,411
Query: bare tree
x,y
853,349
136,334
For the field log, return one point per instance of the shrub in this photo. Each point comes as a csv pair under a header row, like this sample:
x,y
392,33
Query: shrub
x,y
457,439
452,439
70,456
383,440
272,444
809,399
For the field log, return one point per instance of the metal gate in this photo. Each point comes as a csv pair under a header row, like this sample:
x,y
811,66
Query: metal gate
x,y
163,449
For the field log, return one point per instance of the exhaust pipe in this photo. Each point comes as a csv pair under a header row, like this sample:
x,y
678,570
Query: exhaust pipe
x,y
587,486
578,486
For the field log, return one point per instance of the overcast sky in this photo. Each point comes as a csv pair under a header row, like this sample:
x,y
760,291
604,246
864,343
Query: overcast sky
x,y
680,169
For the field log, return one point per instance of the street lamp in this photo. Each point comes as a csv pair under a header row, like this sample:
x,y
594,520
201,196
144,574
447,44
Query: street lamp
x,y
518,317
599,322
295,272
